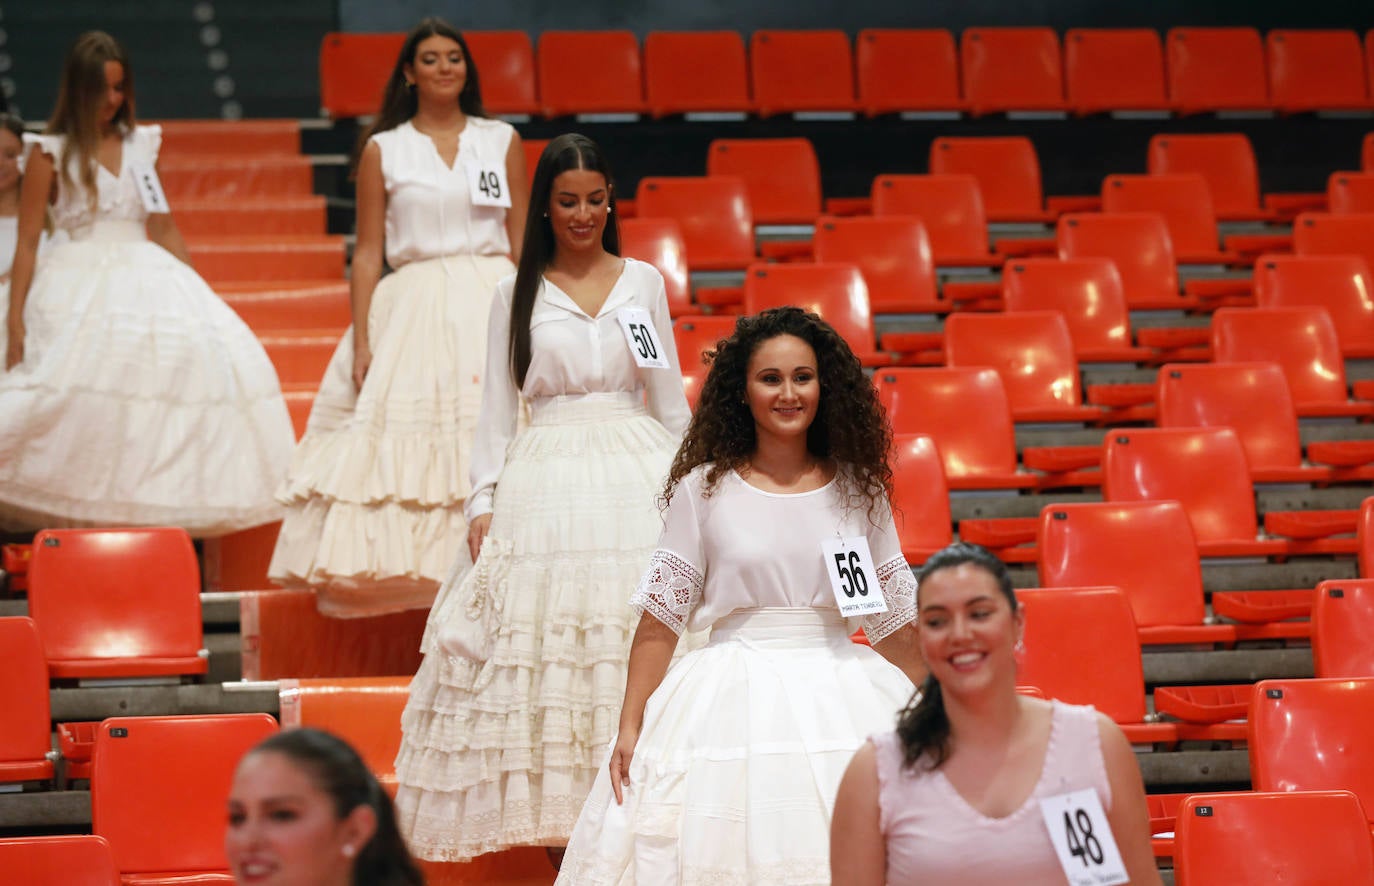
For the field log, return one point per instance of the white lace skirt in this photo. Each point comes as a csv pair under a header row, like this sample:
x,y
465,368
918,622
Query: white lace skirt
x,y
142,398
742,749
502,752
375,494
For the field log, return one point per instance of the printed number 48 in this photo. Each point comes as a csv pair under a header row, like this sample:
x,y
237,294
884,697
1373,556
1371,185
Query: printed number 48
x,y
1088,847
851,574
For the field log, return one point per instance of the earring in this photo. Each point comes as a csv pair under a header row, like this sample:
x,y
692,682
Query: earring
x,y
610,209
1020,647
348,850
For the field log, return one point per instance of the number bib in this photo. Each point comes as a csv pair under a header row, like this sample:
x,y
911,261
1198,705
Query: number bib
x,y
642,337
487,185
1083,839
149,187
849,564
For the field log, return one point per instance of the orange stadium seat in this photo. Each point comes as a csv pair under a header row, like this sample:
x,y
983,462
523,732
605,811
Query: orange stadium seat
x,y
353,72
590,72
1181,200
920,497
1114,70
907,70
1367,145
1316,71
284,635
801,71
250,137
238,561
1348,192
66,860
893,253
158,791
300,358
688,72
505,64
1225,160
1260,837
659,242
1138,243
220,218
1342,284
243,259
1087,292
951,209
363,711
117,602
299,403
1320,233
1342,619
782,175
714,213
1011,69
26,740
237,176
316,306
695,335
534,148
836,292
1007,170
1365,535
1216,69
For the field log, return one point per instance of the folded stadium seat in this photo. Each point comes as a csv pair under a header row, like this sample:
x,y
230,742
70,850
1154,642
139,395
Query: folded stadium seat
x,y
1342,284
784,182
26,741
1033,353
1316,71
701,74
1342,619
595,73
907,71
920,497
1348,192
253,215
117,603
1303,341
284,635
1206,471
318,305
1254,400
951,209
694,336
1186,206
158,791
836,292
236,176
505,63
238,561
1263,837
300,357
1007,170
1216,69
1320,233
1364,534
659,242
363,711
251,137
1138,244
1087,292
1227,161
66,860
1117,70
1313,735
14,563
1081,648
717,224
241,259
1012,70
802,72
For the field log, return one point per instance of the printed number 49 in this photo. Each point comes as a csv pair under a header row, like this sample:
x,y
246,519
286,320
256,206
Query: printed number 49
x,y
1088,847
851,574
490,184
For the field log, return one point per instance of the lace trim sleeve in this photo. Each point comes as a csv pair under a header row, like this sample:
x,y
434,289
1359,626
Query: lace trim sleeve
x,y
669,590
899,590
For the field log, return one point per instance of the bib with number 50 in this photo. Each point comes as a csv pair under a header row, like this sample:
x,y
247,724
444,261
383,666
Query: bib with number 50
x,y
487,184
640,334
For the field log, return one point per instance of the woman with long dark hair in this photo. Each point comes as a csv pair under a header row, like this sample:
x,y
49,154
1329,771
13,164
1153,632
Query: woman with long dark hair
x,y
376,490
525,647
725,766
131,393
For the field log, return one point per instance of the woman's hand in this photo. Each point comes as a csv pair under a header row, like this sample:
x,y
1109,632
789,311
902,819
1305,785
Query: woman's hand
x,y
362,361
477,531
620,761
14,348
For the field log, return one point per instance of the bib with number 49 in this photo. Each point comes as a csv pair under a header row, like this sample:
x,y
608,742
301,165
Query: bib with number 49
x,y
849,565
643,339
487,185
1083,840
149,187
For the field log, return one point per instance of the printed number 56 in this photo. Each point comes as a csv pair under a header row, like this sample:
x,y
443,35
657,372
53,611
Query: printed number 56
x,y
851,574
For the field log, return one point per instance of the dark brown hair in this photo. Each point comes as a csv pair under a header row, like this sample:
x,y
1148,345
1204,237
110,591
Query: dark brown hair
x,y
79,97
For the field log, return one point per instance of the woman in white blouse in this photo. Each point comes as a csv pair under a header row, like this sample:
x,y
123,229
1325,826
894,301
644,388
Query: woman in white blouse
x,y
525,649
377,485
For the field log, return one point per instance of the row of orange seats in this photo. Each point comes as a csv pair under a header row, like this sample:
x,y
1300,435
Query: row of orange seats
x,y
884,71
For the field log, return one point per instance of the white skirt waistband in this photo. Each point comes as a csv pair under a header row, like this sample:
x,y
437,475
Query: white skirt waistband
x,y
584,408
111,230
786,623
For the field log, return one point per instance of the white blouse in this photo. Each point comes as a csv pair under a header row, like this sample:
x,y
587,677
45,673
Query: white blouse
x,y
117,196
742,548
570,353
429,210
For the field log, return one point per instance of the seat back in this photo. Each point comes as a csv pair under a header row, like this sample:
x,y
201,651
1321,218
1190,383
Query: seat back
x,y
920,497
1342,619
1137,243
1225,160
159,784
67,860
1312,70
801,71
1031,351
363,711
659,242
1011,69
117,602
1007,170
27,736
1320,233
1111,69
1302,340
1087,292
834,291
965,411
1348,192
534,149
505,62
714,213
1213,69
893,254
284,635
1066,627
1181,199
686,71
949,206
1365,534
1342,284
1254,837
694,336
782,175
590,72
1204,469
1251,398
907,69
353,72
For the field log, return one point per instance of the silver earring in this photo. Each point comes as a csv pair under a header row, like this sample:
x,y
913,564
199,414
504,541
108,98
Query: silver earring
x,y
348,850
1020,646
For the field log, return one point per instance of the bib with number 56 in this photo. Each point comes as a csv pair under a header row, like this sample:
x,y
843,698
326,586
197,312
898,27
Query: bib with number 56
x,y
487,184
849,565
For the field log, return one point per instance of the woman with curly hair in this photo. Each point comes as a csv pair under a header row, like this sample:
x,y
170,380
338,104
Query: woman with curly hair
x,y
725,768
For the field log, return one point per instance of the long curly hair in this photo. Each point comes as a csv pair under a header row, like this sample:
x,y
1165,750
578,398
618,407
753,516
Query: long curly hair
x,y
850,424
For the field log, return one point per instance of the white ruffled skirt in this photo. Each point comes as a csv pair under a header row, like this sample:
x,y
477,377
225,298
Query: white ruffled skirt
x,y
142,398
501,752
743,746
375,493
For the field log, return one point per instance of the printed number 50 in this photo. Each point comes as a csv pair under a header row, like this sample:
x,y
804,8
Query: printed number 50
x,y
644,341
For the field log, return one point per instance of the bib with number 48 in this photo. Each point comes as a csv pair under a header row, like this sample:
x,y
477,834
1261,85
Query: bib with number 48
x,y
1083,840
849,565
642,337
487,185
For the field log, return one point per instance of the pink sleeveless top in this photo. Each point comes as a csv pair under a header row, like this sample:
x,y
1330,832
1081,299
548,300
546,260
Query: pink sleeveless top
x,y
934,836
